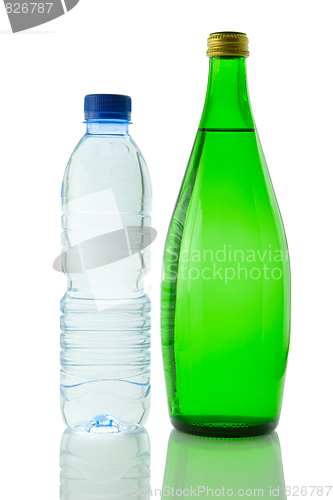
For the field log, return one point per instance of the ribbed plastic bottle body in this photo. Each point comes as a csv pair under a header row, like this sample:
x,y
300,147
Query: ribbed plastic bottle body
x,y
105,322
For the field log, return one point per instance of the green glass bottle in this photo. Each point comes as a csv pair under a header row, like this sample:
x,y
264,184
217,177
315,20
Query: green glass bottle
x,y
225,316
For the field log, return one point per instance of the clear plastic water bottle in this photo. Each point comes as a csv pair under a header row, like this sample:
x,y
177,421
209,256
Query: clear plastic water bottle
x,y
106,467
105,322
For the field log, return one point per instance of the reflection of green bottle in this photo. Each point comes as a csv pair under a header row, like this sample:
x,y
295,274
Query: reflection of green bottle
x,y
224,468
226,285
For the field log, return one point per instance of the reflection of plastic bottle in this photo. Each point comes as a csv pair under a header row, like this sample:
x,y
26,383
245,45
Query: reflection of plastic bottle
x,y
232,467
104,466
105,357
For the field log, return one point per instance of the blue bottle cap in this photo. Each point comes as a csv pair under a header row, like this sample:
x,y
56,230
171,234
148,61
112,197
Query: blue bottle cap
x,y
107,107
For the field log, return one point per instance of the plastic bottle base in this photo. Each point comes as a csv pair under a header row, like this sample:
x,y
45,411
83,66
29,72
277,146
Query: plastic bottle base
x,y
105,424
225,429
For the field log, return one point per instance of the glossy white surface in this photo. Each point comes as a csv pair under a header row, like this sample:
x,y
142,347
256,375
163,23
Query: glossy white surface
x,y
155,52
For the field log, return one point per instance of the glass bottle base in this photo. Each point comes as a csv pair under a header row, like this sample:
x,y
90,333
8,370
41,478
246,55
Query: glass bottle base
x,y
236,429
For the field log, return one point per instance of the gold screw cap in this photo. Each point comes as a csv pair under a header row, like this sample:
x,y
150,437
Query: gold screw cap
x,y
228,43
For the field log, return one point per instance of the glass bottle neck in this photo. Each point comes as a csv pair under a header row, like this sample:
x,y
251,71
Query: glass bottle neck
x,y
227,104
107,127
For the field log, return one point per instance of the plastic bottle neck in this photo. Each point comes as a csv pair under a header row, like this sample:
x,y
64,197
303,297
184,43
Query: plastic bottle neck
x,y
227,103
107,127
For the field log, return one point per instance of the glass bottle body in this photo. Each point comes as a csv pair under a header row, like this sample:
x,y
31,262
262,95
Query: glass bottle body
x,y
225,288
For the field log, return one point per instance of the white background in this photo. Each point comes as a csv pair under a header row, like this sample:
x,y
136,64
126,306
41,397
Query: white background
x,y
154,51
